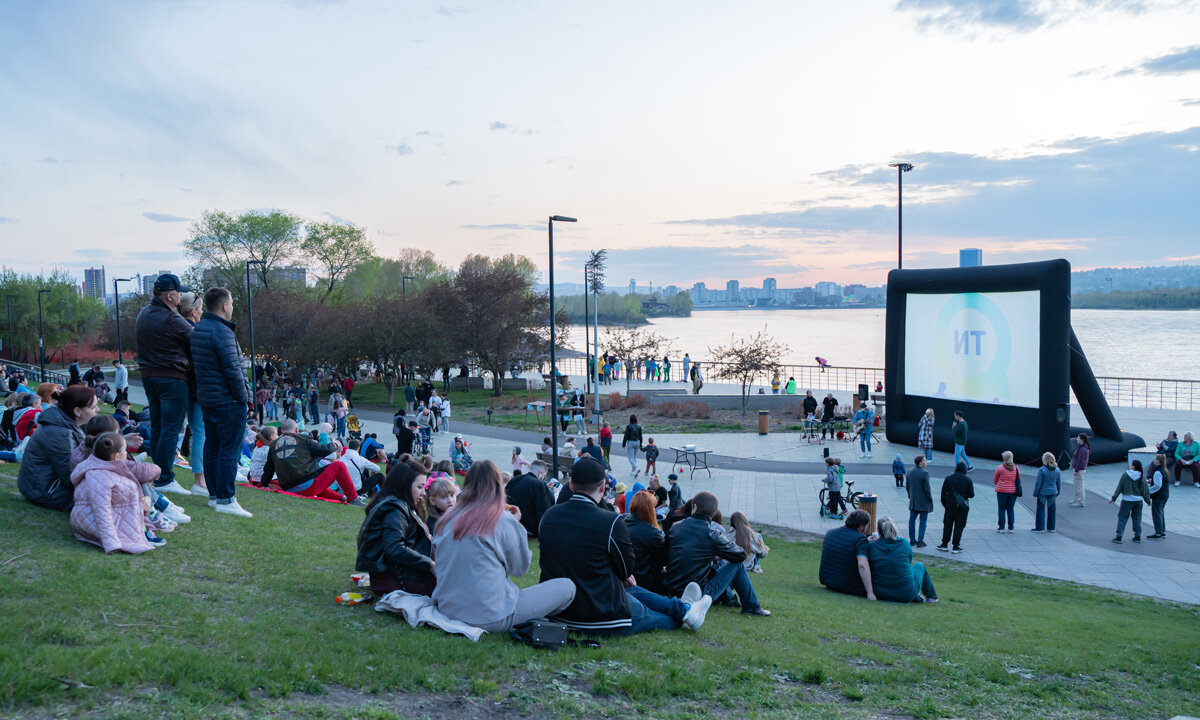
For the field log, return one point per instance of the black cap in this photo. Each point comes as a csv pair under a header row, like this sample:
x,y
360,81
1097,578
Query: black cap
x,y
588,472
168,282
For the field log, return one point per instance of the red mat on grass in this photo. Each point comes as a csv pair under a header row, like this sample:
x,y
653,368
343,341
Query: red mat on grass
x,y
290,494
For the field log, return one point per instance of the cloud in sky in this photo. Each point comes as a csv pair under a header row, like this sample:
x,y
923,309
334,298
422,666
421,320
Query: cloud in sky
x,y
685,261
8,220
503,226
163,217
1173,63
1082,189
338,218
401,148
499,125
1014,15
454,183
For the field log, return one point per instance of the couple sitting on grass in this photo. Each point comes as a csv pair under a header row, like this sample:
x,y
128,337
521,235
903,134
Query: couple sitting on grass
x,y
878,570
587,559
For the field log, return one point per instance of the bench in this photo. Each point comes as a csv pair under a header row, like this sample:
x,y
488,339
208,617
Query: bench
x,y
564,464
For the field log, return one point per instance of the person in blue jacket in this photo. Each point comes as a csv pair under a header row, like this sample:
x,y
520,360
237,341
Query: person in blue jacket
x,y
223,394
898,471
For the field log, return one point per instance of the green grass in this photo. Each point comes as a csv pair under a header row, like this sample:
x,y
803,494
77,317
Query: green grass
x,y
236,619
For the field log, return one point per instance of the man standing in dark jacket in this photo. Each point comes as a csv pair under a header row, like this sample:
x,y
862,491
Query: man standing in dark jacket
x,y
528,491
920,500
164,356
590,546
957,491
223,395
697,541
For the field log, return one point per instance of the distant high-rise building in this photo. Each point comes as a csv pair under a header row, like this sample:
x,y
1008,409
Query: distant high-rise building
x,y
632,286
970,257
699,293
769,288
733,291
148,281
828,289
93,283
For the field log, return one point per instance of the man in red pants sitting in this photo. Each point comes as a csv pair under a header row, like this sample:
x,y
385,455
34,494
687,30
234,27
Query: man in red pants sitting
x,y
294,460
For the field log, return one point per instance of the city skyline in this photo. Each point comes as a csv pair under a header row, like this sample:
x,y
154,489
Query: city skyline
x,y
728,139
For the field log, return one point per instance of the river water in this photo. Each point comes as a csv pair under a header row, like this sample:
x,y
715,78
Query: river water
x,y
1118,343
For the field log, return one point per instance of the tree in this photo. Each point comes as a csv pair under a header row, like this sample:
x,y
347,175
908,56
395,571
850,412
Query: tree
x,y
398,330
378,276
67,317
744,360
680,304
224,243
634,343
336,249
492,316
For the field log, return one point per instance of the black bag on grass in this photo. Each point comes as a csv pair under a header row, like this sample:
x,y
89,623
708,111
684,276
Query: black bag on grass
x,y
540,634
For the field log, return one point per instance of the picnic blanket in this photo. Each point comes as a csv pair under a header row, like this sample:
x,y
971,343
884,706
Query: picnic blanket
x,y
419,610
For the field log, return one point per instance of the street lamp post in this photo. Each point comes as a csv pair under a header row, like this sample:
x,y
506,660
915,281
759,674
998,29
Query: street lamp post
x,y
41,338
250,324
587,352
117,305
901,168
8,301
553,366
404,284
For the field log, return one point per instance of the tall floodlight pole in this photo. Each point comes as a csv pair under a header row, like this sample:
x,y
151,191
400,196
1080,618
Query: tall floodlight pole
x,y
41,338
553,366
117,305
404,285
595,285
901,168
587,352
8,301
250,324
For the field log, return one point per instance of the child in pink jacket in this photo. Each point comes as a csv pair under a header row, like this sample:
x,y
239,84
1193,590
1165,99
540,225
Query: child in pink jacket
x,y
109,509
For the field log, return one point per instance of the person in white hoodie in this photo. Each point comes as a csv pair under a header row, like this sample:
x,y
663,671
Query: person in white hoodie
x,y
360,468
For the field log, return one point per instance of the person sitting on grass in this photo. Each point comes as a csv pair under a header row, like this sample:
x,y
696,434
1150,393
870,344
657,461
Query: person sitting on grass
x,y
45,475
845,567
696,545
372,449
109,508
440,496
529,493
747,539
479,544
295,458
590,546
894,576
649,543
258,459
393,543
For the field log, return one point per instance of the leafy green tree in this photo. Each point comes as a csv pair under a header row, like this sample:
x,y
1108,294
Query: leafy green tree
x,y
335,249
224,243
376,276
67,317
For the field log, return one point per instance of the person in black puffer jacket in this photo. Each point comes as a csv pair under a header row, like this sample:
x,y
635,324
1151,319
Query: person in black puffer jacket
x,y
695,543
45,475
394,543
223,395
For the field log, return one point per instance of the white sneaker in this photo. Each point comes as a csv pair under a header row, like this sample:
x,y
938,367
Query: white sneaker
x,y
212,502
173,487
197,490
176,513
142,457
695,615
232,508
868,453
691,594
862,454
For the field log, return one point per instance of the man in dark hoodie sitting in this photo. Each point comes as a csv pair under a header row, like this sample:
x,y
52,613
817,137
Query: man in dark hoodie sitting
x,y
696,541
529,492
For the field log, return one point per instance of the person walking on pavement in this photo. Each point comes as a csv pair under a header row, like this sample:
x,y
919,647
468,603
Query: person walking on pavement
x,y
960,440
697,379
957,491
223,394
632,442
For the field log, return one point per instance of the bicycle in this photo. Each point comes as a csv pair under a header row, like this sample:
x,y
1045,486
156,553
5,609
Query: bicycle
x,y
851,497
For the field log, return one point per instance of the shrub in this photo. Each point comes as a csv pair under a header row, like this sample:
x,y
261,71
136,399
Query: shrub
x,y
701,410
615,402
635,401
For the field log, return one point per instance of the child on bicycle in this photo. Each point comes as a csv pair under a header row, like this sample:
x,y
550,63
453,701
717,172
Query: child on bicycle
x,y
834,478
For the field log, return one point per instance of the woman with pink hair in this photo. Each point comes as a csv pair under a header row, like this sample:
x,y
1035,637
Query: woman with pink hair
x,y
478,544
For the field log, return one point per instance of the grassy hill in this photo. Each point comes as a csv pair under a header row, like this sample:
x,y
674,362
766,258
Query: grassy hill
x,y
235,619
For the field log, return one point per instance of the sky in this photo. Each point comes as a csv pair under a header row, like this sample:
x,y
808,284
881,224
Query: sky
x,y
698,141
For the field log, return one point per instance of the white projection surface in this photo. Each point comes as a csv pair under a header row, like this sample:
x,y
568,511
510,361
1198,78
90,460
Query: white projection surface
x,y
979,347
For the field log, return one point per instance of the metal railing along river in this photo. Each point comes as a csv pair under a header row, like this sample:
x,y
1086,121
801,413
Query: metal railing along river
x,y
1155,393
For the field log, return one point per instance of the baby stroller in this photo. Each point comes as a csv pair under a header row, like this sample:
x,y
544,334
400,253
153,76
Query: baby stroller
x,y
353,426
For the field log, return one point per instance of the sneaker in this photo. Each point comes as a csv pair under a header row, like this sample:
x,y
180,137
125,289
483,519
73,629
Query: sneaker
x,y
154,540
1117,540
942,547
1076,503
1038,530
181,461
931,600
757,569
1000,530
1176,483
232,508
919,544
956,550
1053,531
173,487
197,490
691,594
1137,538
694,617
142,457
759,611
868,453
160,522
212,502
176,513
1010,531
1158,536
862,455
359,501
